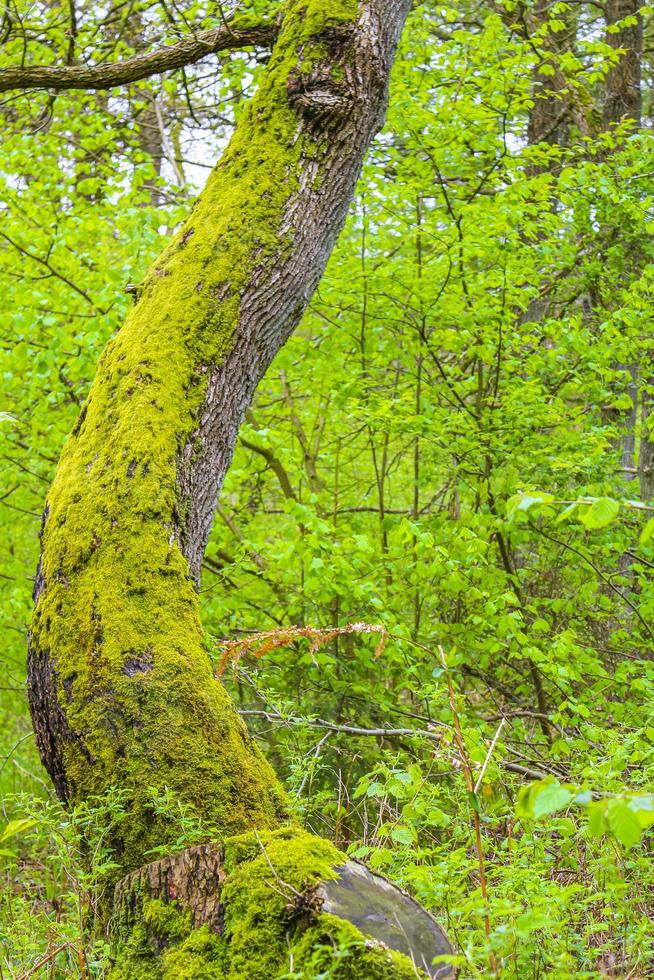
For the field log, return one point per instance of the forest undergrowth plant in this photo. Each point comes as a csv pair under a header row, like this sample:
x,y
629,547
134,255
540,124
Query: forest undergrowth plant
x,y
472,786
459,822
55,865
53,881
415,817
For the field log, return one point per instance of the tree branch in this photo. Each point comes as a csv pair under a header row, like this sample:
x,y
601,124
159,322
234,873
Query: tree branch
x,y
274,464
229,37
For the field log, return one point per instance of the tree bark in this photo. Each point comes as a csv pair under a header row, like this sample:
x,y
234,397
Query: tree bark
x,y
550,116
622,86
646,453
121,688
623,101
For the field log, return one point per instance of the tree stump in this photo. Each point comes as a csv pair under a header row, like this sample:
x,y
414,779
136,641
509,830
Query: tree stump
x,y
241,909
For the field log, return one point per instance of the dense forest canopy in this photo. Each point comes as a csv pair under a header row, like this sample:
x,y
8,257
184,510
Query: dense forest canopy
x,y
429,585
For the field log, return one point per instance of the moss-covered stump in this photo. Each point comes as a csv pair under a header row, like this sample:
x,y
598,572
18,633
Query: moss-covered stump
x,y
283,904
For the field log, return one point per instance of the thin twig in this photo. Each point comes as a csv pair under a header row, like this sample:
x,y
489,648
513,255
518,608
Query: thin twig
x,y
488,755
283,884
467,771
11,751
46,959
328,734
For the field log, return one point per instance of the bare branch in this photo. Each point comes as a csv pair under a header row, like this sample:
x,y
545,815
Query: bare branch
x,y
229,37
274,464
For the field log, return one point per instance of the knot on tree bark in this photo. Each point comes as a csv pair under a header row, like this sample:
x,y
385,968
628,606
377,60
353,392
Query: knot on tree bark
x,y
322,91
319,97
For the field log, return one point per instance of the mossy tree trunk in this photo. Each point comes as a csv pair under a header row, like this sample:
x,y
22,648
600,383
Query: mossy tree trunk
x,y
120,683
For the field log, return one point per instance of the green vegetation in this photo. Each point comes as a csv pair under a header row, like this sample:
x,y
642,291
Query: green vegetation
x,y
452,452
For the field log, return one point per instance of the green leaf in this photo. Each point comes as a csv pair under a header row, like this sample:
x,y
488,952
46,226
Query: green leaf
x,y
473,800
527,501
523,806
643,807
623,823
566,827
403,834
404,777
542,798
16,827
567,512
549,796
647,532
601,512
597,825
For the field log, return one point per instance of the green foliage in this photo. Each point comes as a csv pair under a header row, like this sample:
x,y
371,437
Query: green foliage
x,y
54,881
446,434
624,818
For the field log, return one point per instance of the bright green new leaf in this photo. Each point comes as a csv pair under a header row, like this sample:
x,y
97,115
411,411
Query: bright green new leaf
x,y
403,834
551,798
597,823
643,807
647,532
601,512
526,502
16,827
542,798
623,822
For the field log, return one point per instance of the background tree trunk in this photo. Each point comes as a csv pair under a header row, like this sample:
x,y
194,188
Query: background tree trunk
x,y
646,454
623,101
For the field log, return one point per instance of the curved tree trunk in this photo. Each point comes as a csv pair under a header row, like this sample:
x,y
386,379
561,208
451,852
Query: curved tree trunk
x,y
120,684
